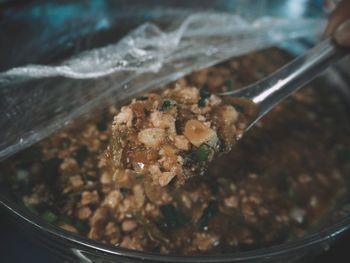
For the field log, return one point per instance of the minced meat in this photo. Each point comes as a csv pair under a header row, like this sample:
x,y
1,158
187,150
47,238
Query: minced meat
x,y
276,184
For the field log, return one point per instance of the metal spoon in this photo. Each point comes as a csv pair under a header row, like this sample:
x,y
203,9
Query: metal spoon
x,y
268,92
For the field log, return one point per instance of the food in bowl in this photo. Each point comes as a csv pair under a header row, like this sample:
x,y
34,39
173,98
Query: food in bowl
x,y
172,135
277,183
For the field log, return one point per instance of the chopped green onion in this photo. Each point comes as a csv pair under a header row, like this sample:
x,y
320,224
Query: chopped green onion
x,y
139,177
156,249
166,105
172,218
124,191
238,107
344,154
204,92
65,219
202,153
50,167
81,226
102,125
228,84
208,213
64,143
32,208
141,98
81,154
91,178
202,102
31,155
22,175
291,192
49,217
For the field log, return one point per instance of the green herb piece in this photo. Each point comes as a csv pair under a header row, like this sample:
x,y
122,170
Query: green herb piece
x,y
102,125
31,155
64,143
146,112
204,92
91,178
50,169
166,105
22,175
172,218
238,107
202,102
32,208
344,154
65,219
213,184
49,217
154,232
156,249
305,222
124,191
228,84
312,146
81,155
139,177
291,192
142,98
81,226
208,213
202,153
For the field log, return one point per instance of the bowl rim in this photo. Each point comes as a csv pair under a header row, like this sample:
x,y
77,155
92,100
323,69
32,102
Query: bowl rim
x,y
320,239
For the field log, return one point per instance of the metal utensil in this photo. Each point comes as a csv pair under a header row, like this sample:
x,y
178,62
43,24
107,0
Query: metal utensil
x,y
268,92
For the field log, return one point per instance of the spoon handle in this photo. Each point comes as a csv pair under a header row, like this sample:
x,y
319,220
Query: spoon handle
x,y
270,91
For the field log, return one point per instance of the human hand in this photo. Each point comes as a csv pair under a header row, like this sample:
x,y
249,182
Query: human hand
x,y
339,24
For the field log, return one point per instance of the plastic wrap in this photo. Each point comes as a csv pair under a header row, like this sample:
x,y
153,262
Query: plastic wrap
x,y
38,99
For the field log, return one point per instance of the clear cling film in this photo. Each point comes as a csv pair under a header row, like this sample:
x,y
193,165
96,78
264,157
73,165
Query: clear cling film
x,y
37,99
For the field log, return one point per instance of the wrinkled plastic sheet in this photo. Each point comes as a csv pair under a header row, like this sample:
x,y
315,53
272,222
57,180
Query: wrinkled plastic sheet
x,y
36,100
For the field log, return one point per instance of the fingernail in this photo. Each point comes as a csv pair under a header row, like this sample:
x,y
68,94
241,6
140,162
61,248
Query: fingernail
x,y
342,34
